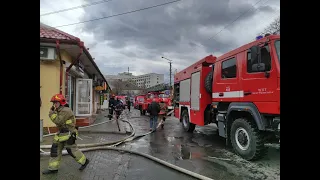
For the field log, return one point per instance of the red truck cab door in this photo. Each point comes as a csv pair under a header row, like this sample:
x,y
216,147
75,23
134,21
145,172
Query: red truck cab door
x,y
260,87
226,86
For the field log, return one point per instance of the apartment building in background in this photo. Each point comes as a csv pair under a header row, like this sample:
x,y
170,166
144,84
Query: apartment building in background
x,y
142,81
125,76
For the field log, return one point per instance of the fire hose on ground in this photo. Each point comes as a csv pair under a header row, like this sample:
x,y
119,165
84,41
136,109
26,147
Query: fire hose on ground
x,y
112,145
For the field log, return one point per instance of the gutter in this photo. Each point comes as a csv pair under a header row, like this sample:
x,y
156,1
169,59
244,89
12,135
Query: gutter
x,y
61,41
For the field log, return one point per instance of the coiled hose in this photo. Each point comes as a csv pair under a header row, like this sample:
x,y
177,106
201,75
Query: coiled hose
x,y
131,137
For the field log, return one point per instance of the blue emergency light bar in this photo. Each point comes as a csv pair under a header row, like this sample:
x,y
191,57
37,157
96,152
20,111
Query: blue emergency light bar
x,y
259,37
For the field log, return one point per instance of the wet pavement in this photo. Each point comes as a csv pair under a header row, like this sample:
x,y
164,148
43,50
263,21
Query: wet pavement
x,y
203,152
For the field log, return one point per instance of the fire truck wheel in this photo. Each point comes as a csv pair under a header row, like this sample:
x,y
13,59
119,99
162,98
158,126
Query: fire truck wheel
x,y
247,140
208,82
186,124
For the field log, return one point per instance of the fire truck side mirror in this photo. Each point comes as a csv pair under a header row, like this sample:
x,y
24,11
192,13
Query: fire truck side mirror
x,y
255,53
258,67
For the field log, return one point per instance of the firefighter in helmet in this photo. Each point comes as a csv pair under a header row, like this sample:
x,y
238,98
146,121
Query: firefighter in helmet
x,y
65,121
112,104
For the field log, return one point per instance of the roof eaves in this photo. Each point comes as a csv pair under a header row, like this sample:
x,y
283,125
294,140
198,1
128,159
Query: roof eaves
x,y
94,64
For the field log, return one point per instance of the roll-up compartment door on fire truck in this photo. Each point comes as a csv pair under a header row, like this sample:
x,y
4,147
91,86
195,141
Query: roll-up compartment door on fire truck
x,y
195,91
185,90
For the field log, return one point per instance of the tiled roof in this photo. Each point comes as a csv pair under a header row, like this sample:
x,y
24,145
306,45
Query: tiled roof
x,y
52,33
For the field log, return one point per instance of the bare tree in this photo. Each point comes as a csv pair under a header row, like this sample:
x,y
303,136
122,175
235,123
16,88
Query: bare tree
x,y
131,81
117,86
274,27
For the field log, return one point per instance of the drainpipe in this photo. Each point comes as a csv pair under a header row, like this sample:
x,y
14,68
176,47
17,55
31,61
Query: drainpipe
x,y
61,64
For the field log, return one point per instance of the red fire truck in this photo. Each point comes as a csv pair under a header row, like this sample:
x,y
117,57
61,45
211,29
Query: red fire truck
x,y
238,91
137,99
167,100
148,98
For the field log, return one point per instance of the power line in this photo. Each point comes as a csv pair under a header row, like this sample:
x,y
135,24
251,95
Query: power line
x,y
254,8
129,12
236,19
75,7
232,22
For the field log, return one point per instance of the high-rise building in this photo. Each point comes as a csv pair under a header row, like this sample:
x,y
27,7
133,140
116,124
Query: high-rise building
x,y
148,80
143,81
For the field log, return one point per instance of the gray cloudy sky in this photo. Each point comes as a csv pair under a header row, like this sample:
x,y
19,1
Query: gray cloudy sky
x,y
180,31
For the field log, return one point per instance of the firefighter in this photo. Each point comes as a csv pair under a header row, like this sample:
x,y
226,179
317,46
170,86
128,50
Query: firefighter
x,y
65,121
112,104
128,103
162,113
119,102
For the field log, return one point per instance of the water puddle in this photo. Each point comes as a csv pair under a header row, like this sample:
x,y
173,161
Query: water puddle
x,y
184,152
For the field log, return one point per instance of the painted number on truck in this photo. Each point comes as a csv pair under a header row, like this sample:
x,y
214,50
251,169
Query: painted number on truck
x,y
262,91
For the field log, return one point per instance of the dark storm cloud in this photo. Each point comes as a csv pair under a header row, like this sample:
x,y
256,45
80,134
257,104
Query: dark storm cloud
x,y
173,28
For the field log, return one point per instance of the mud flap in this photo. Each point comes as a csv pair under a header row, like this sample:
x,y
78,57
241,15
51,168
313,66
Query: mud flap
x,y
221,125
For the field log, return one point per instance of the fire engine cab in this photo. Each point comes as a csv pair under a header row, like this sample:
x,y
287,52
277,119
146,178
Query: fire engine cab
x,y
238,91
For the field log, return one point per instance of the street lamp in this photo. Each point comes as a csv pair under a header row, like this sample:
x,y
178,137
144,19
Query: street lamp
x,y
170,62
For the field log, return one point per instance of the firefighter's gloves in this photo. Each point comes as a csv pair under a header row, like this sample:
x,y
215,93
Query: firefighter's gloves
x,y
52,115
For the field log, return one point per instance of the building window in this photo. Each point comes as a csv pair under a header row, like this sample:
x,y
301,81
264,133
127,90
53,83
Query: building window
x,y
229,68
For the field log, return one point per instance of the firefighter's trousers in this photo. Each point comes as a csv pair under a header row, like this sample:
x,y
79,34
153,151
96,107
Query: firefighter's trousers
x,y
56,153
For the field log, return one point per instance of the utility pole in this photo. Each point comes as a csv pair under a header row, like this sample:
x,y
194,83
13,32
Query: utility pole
x,y
128,70
170,62
170,70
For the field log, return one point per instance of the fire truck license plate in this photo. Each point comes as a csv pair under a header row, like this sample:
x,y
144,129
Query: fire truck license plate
x,y
170,107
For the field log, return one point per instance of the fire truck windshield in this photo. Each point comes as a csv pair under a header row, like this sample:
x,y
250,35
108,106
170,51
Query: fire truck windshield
x,y
277,45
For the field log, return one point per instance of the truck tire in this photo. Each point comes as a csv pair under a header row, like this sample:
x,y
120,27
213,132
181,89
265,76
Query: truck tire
x,y
186,124
247,140
208,82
